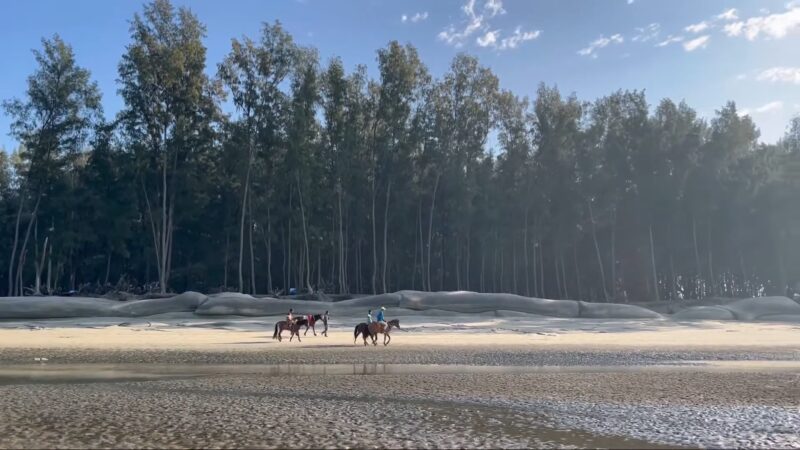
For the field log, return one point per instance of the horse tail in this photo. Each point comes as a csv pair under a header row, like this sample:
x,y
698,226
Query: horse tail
x,y
275,335
355,334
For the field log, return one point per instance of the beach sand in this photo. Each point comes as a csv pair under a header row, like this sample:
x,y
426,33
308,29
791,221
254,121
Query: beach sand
x,y
569,384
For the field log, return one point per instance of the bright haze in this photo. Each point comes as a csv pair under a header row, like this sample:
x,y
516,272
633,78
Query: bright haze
x,y
706,52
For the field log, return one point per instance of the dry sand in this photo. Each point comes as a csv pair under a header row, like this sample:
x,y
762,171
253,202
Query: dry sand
x,y
661,335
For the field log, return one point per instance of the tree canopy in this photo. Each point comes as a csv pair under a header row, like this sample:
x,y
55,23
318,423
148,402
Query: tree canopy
x,y
322,179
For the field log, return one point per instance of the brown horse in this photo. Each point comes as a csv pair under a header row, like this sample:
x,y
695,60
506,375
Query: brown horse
x,y
376,327
294,329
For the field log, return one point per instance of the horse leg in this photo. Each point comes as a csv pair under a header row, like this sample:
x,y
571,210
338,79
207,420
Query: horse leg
x,y
313,329
386,339
306,331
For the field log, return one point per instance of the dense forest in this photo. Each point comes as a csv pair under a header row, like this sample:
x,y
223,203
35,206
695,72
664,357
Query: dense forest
x,y
280,170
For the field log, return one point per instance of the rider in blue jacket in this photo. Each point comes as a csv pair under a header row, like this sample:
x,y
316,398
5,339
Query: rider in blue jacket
x,y
380,318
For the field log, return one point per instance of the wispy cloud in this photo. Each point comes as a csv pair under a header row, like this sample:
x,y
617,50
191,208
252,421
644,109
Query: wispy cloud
x,y
697,27
728,15
474,23
519,37
599,43
477,21
764,109
495,7
694,44
647,33
780,75
771,26
492,39
418,17
670,40
488,39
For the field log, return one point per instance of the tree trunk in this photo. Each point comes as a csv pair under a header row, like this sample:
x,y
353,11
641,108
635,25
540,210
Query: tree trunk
x,y
483,266
250,242
653,262
374,242
24,248
305,236
525,256
227,245
14,247
577,271
535,273
558,275
242,217
614,255
108,268
162,264
711,260
430,226
514,266
386,235
597,251
564,276
270,287
39,267
342,259
696,248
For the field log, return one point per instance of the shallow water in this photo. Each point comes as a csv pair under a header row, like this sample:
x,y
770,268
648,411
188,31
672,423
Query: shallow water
x,y
481,425
83,373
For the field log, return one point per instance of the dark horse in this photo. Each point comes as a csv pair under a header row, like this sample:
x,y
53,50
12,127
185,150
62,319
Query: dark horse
x,y
362,329
312,320
373,330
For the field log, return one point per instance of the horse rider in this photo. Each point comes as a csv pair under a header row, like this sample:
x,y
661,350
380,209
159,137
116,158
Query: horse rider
x,y
380,318
290,317
369,317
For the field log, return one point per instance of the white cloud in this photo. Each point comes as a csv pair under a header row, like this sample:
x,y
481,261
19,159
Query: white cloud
x,y
492,39
599,43
519,37
670,40
774,26
630,2
474,23
647,33
495,7
478,22
728,15
697,27
695,44
781,75
488,39
418,17
764,109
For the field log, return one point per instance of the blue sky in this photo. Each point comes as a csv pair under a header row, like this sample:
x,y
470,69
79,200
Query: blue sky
x,y
703,51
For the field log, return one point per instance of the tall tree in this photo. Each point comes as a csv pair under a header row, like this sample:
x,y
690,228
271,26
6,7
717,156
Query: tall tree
x,y
51,123
170,106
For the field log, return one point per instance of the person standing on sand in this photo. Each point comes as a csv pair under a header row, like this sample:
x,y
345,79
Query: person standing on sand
x,y
325,321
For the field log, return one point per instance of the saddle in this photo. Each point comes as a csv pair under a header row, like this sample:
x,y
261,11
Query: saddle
x,y
311,320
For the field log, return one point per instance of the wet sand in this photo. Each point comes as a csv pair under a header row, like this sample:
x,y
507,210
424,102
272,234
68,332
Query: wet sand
x,y
132,387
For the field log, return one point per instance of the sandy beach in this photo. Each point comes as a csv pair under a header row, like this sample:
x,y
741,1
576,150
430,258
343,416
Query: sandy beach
x,y
614,384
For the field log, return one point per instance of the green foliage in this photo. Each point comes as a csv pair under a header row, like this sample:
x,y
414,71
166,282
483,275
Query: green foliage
x,y
323,178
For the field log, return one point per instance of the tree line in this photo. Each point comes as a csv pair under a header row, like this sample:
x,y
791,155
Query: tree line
x,y
324,179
